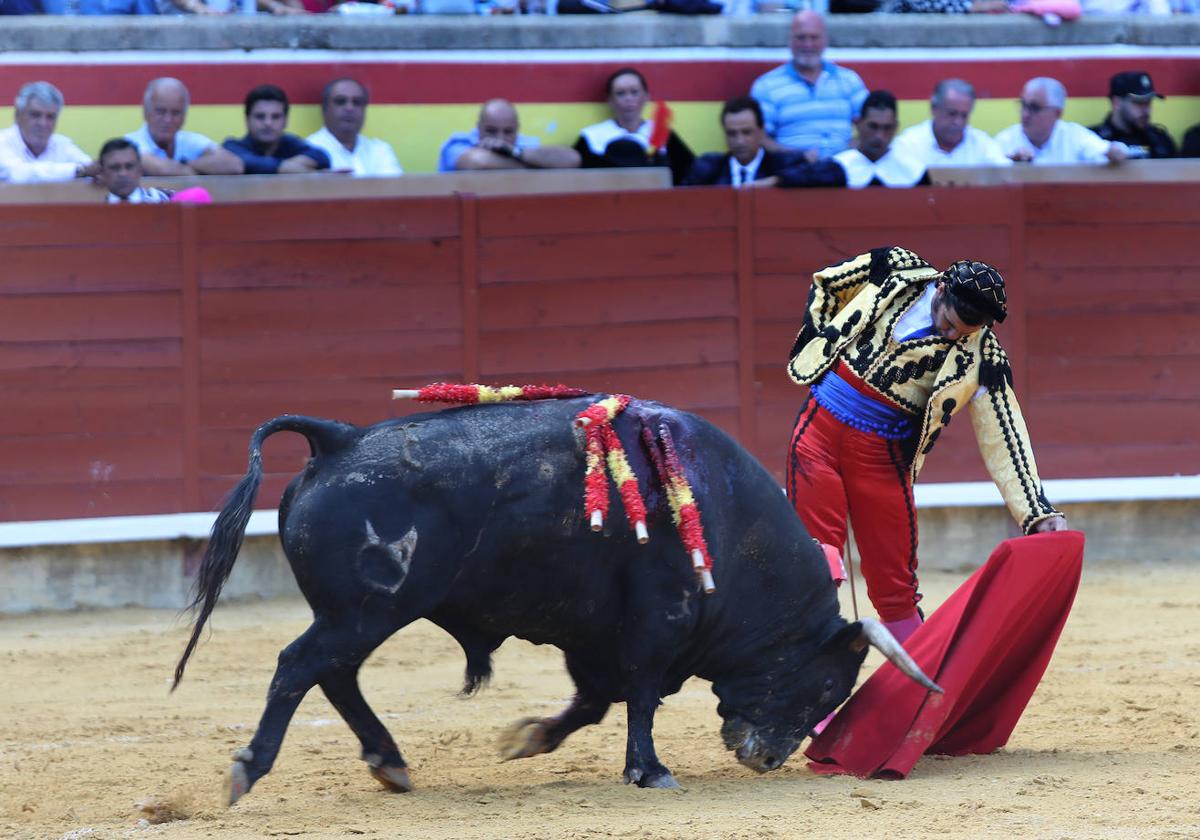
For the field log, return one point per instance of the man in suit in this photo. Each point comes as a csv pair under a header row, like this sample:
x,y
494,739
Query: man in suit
x,y
748,163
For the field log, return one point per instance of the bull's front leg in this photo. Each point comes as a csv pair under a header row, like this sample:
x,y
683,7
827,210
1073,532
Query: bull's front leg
x,y
642,766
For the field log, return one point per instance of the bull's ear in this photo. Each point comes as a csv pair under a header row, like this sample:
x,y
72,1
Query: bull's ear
x,y
847,637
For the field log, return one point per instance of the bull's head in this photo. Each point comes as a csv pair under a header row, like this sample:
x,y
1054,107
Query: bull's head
x,y
789,701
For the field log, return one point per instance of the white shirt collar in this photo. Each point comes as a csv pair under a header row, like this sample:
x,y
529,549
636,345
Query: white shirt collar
x,y
751,169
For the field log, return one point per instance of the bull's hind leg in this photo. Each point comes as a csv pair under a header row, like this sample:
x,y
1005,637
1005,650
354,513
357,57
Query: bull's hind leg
x,y
534,736
316,656
379,750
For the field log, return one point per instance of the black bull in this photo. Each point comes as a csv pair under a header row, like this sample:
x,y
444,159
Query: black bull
x,y
473,518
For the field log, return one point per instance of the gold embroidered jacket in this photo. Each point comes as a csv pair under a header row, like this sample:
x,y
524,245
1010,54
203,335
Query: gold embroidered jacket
x,y
852,312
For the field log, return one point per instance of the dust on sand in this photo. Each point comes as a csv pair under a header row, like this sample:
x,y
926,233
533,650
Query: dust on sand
x,y
92,745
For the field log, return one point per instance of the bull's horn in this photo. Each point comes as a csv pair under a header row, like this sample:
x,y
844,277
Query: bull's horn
x,y
879,636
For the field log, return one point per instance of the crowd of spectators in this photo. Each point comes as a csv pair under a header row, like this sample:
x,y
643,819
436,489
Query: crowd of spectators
x,y
806,123
1054,11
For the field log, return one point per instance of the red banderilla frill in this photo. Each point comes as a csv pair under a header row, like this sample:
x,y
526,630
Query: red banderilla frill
x,y
684,510
449,392
604,448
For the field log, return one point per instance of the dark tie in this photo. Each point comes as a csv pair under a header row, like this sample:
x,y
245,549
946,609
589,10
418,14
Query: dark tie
x,y
743,175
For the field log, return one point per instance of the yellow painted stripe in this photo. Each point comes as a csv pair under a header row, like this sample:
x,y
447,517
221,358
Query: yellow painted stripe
x,y
418,131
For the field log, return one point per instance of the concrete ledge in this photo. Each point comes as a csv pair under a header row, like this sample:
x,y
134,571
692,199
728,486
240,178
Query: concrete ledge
x,y
638,30
144,573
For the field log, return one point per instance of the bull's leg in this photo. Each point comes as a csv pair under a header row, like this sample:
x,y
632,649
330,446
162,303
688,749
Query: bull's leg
x,y
642,766
318,653
379,750
658,618
534,736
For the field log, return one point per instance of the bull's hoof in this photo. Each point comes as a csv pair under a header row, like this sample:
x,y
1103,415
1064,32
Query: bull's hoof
x,y
663,780
237,782
526,737
394,779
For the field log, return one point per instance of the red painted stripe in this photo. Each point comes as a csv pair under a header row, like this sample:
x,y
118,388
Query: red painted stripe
x,y
700,81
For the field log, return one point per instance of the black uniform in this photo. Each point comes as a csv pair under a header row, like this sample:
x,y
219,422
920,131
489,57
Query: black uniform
x,y
1153,142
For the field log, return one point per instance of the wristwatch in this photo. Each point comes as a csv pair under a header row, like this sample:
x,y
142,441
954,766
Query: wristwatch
x,y
517,154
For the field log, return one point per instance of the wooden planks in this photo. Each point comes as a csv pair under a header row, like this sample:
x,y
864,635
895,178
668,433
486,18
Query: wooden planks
x,y
690,297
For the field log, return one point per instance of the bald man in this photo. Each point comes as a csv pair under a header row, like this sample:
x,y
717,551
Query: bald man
x,y
496,143
167,149
809,104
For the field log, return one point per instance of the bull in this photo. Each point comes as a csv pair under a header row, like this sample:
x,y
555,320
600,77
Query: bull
x,y
471,517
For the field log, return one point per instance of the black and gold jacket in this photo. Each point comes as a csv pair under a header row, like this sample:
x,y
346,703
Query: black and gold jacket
x,y
852,312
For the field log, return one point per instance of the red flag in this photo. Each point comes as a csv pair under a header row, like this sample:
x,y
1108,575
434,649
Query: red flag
x,y
987,646
662,126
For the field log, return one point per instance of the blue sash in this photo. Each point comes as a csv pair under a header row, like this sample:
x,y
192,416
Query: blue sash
x,y
856,409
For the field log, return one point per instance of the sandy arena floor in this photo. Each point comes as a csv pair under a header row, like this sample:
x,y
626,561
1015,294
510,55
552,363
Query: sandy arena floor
x,y
92,746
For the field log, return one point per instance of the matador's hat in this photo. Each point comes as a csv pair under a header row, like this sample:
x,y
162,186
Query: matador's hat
x,y
980,285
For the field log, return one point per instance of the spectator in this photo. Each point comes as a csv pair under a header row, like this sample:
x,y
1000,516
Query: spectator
x,y
267,148
873,162
625,139
1190,147
114,7
219,7
948,7
344,110
165,148
948,139
496,143
1042,137
1131,94
121,171
809,103
749,164
30,150
1157,8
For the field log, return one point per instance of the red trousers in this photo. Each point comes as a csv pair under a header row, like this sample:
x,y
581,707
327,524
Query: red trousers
x,y
835,470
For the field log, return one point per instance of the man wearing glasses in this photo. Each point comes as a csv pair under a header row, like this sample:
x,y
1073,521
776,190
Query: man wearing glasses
x,y
1043,137
344,109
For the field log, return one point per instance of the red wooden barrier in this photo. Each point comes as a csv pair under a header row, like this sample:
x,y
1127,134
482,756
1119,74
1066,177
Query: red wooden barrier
x,y
140,347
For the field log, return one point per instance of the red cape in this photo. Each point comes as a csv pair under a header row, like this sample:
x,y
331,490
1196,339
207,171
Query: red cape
x,y
987,646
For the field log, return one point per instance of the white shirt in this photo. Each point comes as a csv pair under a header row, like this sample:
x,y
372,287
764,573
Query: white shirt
x,y
57,163
1068,143
189,145
370,156
598,136
976,148
142,195
894,169
740,174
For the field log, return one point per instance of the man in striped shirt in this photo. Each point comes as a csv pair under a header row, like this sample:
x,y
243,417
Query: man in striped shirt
x,y
809,104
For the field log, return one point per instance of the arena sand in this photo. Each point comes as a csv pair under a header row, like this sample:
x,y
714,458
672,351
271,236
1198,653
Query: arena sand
x,y
94,747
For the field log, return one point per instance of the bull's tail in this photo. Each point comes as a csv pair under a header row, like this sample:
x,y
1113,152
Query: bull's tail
x,y
230,528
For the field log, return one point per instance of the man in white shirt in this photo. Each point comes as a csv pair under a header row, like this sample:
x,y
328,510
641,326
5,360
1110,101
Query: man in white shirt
x,y
30,150
947,139
121,172
344,109
167,149
874,161
1042,137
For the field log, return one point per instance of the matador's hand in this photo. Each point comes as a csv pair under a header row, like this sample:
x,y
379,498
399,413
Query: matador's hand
x,y
1054,523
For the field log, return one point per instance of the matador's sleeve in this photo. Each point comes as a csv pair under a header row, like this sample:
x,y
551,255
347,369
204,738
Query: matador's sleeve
x,y
834,287
1004,440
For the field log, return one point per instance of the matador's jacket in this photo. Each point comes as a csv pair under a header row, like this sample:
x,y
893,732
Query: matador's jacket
x,y
852,312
